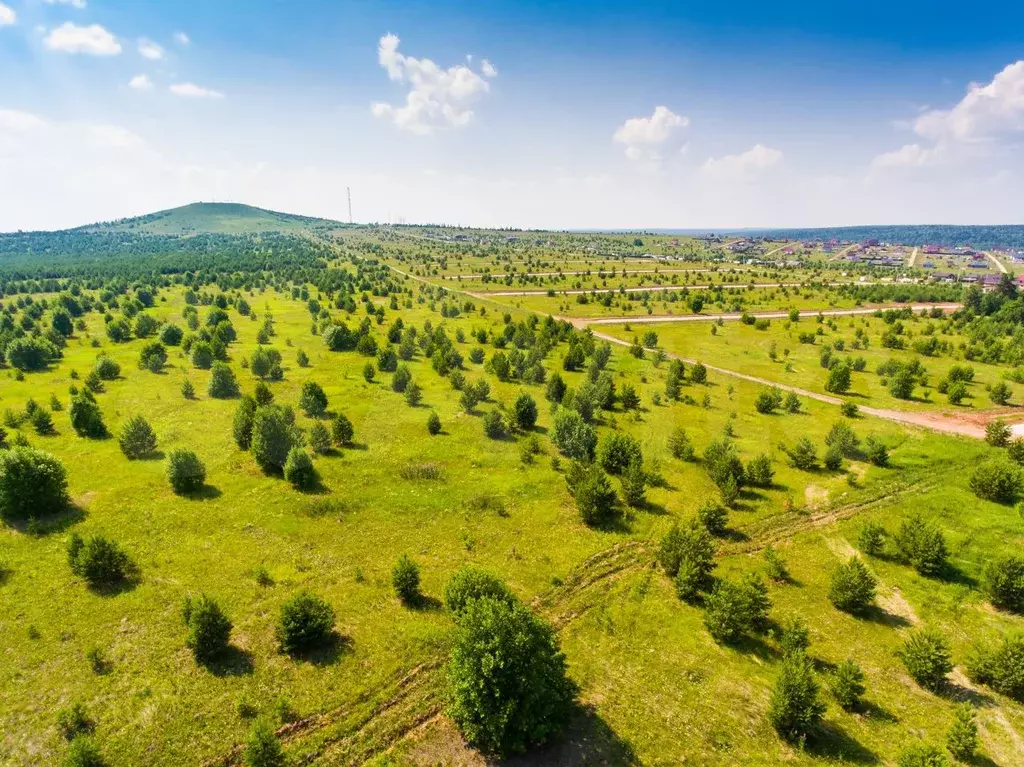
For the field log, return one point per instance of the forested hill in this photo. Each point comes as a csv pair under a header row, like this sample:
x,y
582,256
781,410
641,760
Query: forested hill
x,y
1001,236
212,218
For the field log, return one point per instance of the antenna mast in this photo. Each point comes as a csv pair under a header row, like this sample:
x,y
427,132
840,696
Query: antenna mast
x,y
348,190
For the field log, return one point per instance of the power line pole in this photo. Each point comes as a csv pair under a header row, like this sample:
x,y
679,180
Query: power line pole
x,y
348,190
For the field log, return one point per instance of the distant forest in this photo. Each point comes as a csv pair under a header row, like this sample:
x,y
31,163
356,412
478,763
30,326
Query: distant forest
x,y
1003,236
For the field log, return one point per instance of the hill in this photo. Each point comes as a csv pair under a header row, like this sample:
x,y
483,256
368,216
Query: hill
x,y
211,218
1005,236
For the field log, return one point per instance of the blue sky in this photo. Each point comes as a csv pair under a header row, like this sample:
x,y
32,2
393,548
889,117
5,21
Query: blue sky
x,y
543,114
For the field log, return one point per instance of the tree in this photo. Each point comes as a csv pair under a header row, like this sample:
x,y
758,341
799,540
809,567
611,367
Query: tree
x,y
306,622
171,335
794,709
555,389
998,479
962,736
572,435
594,496
185,471
713,516
803,455
271,438
921,755
299,470
106,368
1000,667
405,578
97,559
871,538
768,400
413,394
342,431
617,451
202,355
732,609
494,424
433,424
83,752
998,433
401,378
153,357
852,586
759,471
262,361
687,555
30,353
901,385
847,684
507,687
1002,581
922,545
223,384
241,428
679,445
842,438
469,584
699,373
86,418
926,656
876,451
32,483
313,400
319,439
263,749
629,397
524,411
839,379
634,484
999,393
137,438
208,628
60,321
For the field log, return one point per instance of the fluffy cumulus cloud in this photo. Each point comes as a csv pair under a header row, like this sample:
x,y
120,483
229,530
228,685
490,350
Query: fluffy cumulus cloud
x,y
140,83
645,137
193,91
907,156
437,98
93,40
150,50
755,160
7,15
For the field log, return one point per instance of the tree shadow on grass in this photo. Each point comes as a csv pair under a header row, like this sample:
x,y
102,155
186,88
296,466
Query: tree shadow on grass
x,y
50,523
873,711
326,654
424,603
656,509
832,742
962,694
587,740
121,586
156,455
233,661
877,614
733,535
205,493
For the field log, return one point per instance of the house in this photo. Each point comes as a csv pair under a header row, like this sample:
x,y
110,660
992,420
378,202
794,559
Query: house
x,y
946,277
990,281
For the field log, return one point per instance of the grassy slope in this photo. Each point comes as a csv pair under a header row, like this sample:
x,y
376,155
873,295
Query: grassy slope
x,y
214,218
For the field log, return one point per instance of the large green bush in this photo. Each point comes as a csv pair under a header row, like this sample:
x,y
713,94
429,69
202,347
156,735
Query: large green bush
x,y
471,583
306,622
272,438
595,498
32,483
926,656
1002,580
299,470
137,439
852,586
208,628
573,436
794,709
97,559
405,578
998,479
86,418
185,471
223,384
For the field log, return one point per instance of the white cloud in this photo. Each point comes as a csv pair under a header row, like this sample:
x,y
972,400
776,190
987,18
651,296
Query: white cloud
x,y
438,98
643,136
14,120
7,16
93,40
756,159
150,50
140,83
907,156
72,3
181,38
987,112
193,91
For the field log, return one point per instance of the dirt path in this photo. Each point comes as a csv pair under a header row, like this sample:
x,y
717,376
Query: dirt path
x,y
913,257
619,272
997,262
659,288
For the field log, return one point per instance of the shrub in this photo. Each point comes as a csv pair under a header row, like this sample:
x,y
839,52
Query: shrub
x,y
242,424
572,436
223,384
433,424
871,538
775,566
106,368
803,455
32,483
680,446
687,555
594,496
137,438
768,400
405,578
999,393
29,353
494,424
833,459
401,378
713,516
759,471
998,433
524,411
842,438
794,635
617,451
342,431
319,439
847,684
313,400
86,418
298,469
876,451
74,721
97,559
849,409
171,335
839,379
188,391
271,438
926,656
921,755
1000,667
1002,581
852,586
920,544
208,628
506,678
999,480
634,484
794,709
185,471
83,752
153,357
469,584
306,622
202,355
962,736
263,749
732,609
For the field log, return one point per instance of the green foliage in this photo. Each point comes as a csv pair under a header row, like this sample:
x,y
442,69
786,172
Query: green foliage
x,y
573,437
842,438
313,400
306,622
1001,667
617,451
921,755
998,433
926,655
405,579
999,393
433,424
106,368
299,470
794,709
768,400
97,559
852,586
202,355
494,424
86,418
506,678
734,609
262,748
998,479
83,752
74,721
775,566
876,451
593,493
29,353
962,736
342,430
137,438
794,635
524,411
687,555
153,357
223,384
679,445
185,471
1002,582
713,516
922,545
470,583
272,438
242,424
839,379
634,484
32,483
319,439
401,378
871,538
802,455
208,628
847,684
759,471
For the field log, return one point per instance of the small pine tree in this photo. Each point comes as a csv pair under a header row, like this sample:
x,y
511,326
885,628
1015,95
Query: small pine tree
x,y
209,629
847,684
313,400
299,470
319,439
342,431
926,656
188,391
962,736
185,471
137,438
634,484
263,749
852,586
306,621
405,578
794,710
433,424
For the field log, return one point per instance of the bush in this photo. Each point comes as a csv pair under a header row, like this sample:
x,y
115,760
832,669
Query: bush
x,y
171,335
28,353
401,378
852,586
137,438
97,559
759,471
847,684
1002,581
876,452
524,411
803,455
86,418
594,496
208,628
319,439
263,749
775,566
920,544
494,424
713,516
32,483
1000,667
241,428
926,656
871,538
617,451
687,555
921,755
833,459
202,355
794,709
572,436
313,400
469,584
794,635
999,393
342,431
298,469
405,578
271,438
768,400
849,409
732,610
433,424
962,736
185,471
839,379
680,446
223,384
634,484
106,368
999,480
842,438
507,684
998,433
306,622
83,752
153,357
74,721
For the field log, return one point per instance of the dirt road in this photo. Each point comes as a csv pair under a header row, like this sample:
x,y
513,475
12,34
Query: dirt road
x,y
658,288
